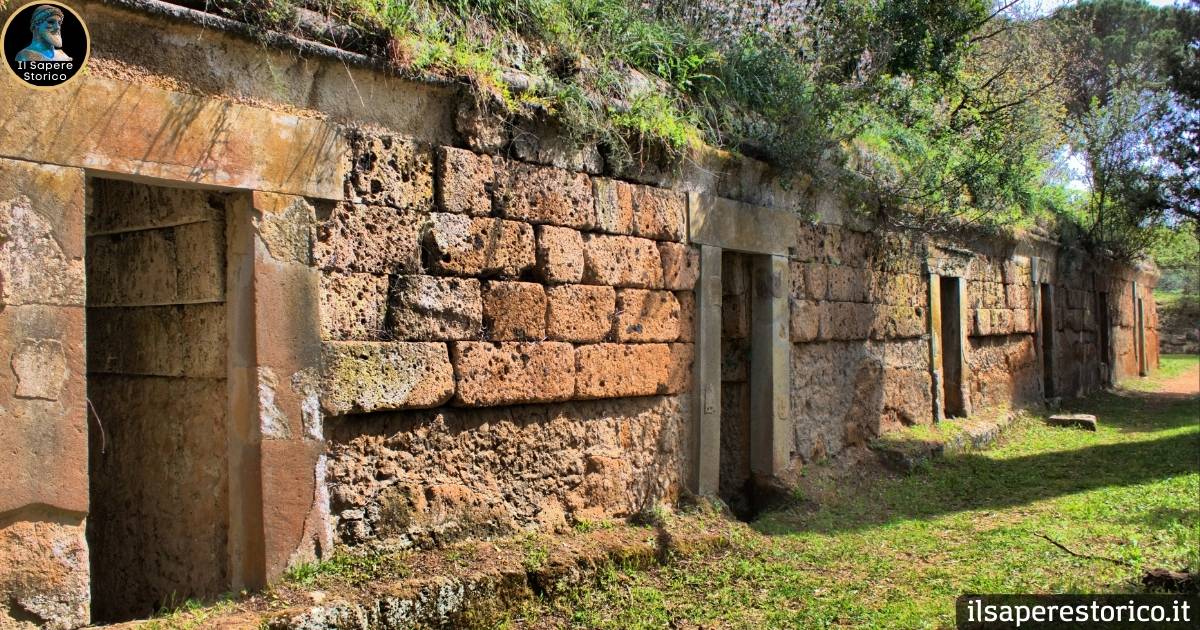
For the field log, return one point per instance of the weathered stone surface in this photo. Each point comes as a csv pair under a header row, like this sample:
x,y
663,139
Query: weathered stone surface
x,y
816,281
894,322
644,315
854,249
687,315
735,273
369,239
514,311
1017,296
681,266
906,400
742,227
450,473
393,172
154,206
659,214
43,397
482,125
559,254
465,182
286,226
41,234
621,261
679,375
580,313
847,284
613,370
136,268
219,142
296,523
163,481
545,141
364,377
1085,421
537,194
40,367
735,360
183,340
1003,370
429,308
845,392
614,205
846,320
806,321
462,245
504,373
353,306
43,571
735,316
199,259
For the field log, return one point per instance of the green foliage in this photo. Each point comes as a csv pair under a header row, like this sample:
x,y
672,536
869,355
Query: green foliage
x,y
1132,120
536,553
929,35
1177,254
346,567
938,112
971,523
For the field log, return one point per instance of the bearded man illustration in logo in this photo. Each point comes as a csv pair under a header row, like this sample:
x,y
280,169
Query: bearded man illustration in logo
x,y
46,26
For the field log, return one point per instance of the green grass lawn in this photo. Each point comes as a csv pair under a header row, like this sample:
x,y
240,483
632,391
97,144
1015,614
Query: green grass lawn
x,y
896,555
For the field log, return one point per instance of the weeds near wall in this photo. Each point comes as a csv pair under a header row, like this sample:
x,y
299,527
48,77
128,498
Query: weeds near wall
x,y
932,114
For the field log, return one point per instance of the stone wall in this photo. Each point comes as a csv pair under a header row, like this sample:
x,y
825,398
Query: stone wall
x,y
157,382
862,329
43,422
453,279
1002,360
441,323
427,477
858,315
1081,365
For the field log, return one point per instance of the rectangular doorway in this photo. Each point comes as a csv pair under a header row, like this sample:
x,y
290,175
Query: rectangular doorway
x,y
156,374
952,350
1105,349
1046,304
1140,339
735,469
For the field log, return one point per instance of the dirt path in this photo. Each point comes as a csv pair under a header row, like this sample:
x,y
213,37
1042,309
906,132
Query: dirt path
x,y
1186,383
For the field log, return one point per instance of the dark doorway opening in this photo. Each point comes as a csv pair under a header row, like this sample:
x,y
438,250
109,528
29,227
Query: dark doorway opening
x,y
734,481
156,373
951,332
1102,323
1046,304
1140,340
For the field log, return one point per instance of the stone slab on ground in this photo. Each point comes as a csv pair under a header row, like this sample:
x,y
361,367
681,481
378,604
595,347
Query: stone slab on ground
x,y
1085,421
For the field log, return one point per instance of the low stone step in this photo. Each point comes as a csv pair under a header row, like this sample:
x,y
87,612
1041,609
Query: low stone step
x,y
905,452
1085,421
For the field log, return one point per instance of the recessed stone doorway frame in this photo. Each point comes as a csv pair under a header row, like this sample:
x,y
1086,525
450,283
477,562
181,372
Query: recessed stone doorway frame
x,y
719,225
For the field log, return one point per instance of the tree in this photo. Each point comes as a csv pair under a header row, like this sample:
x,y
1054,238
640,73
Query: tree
x,y
1128,120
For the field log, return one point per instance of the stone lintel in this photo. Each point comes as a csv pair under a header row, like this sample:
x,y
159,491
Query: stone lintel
x,y
109,126
740,226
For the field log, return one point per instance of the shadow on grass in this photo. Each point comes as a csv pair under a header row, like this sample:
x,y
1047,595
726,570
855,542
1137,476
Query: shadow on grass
x,y
975,481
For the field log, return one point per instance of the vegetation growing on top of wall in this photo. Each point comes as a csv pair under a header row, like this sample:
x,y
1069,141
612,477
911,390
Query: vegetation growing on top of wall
x,y
938,112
